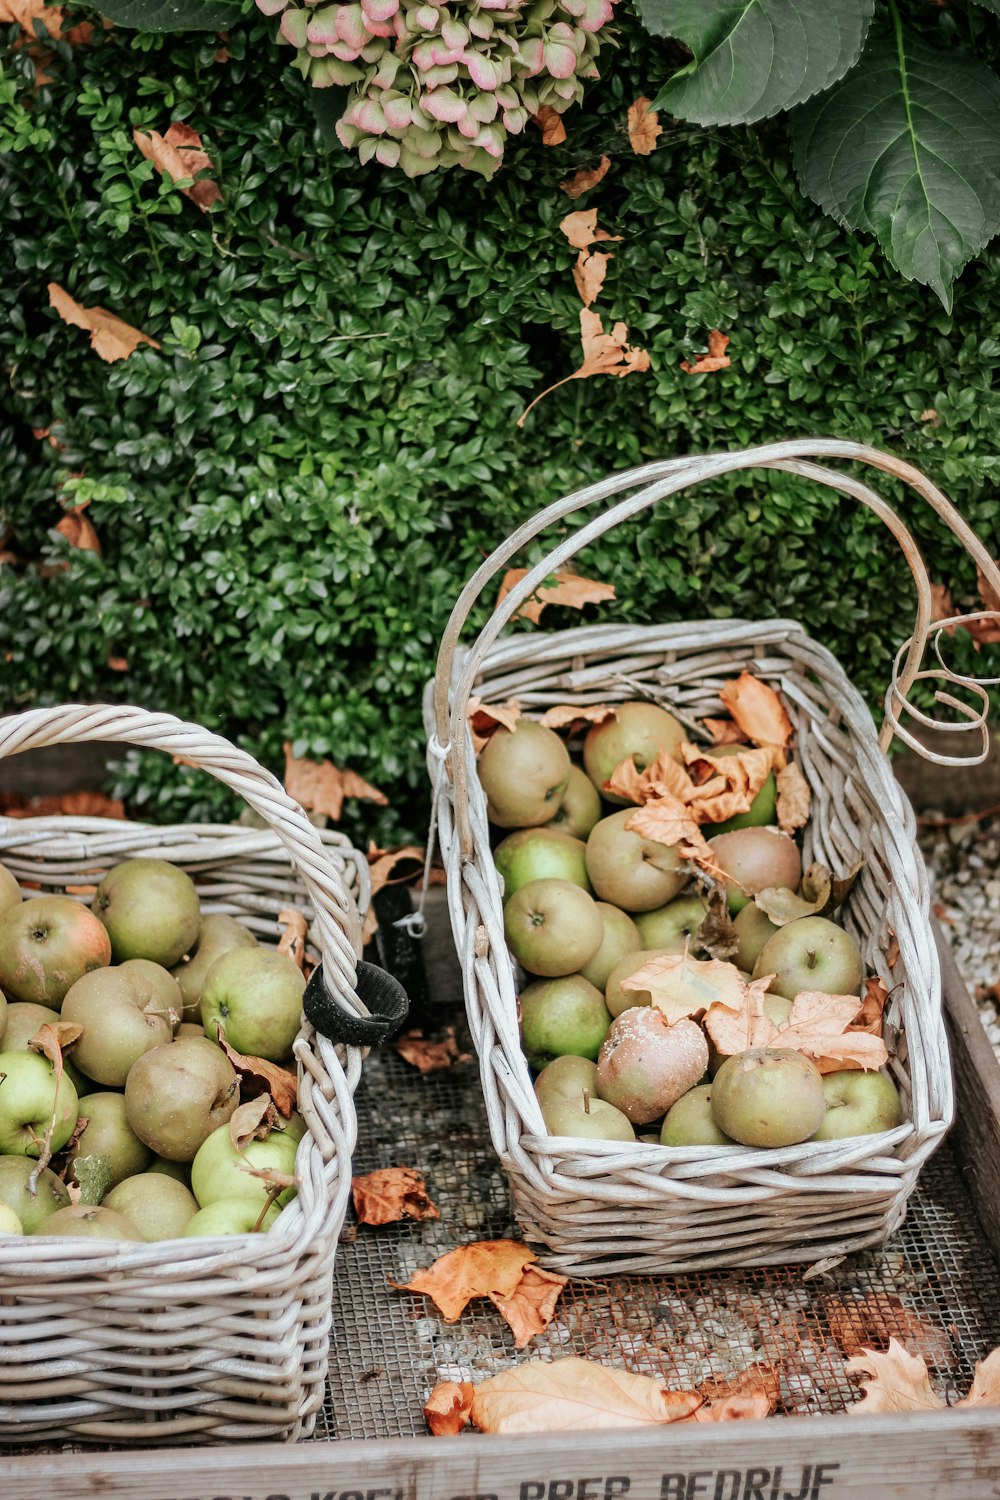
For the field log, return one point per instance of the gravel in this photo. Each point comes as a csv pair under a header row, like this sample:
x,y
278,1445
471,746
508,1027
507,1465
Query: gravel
x,y
963,859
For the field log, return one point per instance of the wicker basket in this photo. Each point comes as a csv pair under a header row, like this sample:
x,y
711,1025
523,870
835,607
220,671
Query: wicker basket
x,y
605,1206
223,1338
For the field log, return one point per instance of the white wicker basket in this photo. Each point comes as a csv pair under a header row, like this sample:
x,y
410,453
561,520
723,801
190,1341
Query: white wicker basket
x,y
222,1338
605,1206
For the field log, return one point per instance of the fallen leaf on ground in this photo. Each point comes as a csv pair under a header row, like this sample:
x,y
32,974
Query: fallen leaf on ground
x,y
603,354
684,986
870,1322
428,1056
715,359
580,228
252,1121
724,731
259,1076
78,529
757,709
486,718
110,337
568,590
179,154
482,1269
794,798
589,273
449,1407
587,177
551,125
575,1395
564,715
321,787
899,1381
643,127
293,939
70,805
750,1395
530,1306
986,632
391,1194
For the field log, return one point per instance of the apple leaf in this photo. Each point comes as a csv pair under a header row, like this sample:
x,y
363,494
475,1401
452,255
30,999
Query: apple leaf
x,y
683,986
391,1194
481,1269
757,710
530,1307
259,1076
449,1407
174,15
575,1395
754,58
907,147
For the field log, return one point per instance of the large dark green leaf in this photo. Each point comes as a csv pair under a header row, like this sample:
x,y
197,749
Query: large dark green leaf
x,y
993,5
174,15
753,58
907,147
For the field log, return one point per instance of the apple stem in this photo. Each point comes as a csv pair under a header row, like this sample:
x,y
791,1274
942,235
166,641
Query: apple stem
x,y
271,1196
586,1101
811,958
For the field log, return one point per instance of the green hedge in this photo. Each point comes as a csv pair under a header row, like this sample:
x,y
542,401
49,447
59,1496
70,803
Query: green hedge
x,y
291,493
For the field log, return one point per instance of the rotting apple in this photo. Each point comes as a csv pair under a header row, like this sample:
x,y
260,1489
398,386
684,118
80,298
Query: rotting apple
x,y
646,1063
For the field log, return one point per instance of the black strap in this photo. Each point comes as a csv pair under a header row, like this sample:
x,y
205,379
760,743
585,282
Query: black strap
x,y
380,992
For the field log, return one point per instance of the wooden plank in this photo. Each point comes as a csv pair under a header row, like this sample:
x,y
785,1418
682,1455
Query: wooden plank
x,y
946,1455
976,1132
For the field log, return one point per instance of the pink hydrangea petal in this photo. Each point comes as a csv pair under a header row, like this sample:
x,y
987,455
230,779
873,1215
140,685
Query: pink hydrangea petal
x,y
398,112
560,60
387,152
443,105
379,10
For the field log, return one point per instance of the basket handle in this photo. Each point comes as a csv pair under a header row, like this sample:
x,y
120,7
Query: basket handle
x,y
337,921
654,482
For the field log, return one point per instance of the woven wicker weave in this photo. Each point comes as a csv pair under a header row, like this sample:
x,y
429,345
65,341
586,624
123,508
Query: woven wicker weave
x,y
603,1206
223,1338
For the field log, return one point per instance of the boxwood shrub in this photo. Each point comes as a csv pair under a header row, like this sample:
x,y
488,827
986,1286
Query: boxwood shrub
x,y
291,491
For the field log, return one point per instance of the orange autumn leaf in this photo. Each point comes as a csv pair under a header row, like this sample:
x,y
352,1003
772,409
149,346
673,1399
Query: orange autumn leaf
x,y
252,1121
25,13
715,359
794,798
589,273
78,529
321,787
986,632
564,715
391,1194
758,1386
428,1056
482,1269
118,663
485,719
568,589
942,607
740,1026
293,939
580,228
260,1076
449,1407
576,1395
757,710
663,775
870,1322
724,731
820,1026
581,182
899,1381
530,1306
643,127
726,785
683,986
70,804
110,338
603,354
869,1017
54,1041
179,154
666,820
551,125
382,862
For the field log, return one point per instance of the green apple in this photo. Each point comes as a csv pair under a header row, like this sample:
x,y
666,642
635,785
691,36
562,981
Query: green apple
x,y
755,859
621,936
680,918
646,1063
566,1077
690,1122
123,1014
84,1221
220,1171
180,1171
768,1097
257,994
524,772
858,1104
552,927
540,854
636,731
9,1222
46,945
618,999
216,936
150,909
32,1208
10,891
632,872
752,928
560,1016
811,953
108,1133
160,1207
229,1216
24,1020
594,1120
176,1095
30,1093
580,808
763,808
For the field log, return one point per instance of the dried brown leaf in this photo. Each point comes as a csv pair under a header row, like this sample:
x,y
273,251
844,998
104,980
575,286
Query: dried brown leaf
x,y
70,804
715,359
551,125
259,1076
110,337
429,1056
391,1194
55,1041
794,798
78,529
754,1392
581,182
942,607
486,718
724,731
662,777
530,1307
899,1381
820,1026
118,663
726,785
643,127
985,1387
666,820
603,354
293,938
757,710
568,590
580,228
449,1407
252,1121
716,933
384,861
575,1395
25,13
482,1269
179,154
869,1017
589,273
566,715
321,787
870,1322
986,632
684,986
737,1028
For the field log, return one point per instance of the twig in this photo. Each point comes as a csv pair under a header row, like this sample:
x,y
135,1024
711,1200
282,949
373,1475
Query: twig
x,y
975,817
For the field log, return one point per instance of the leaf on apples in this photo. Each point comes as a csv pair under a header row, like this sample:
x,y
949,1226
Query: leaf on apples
x,y
293,939
794,798
575,1395
568,590
110,338
252,1121
530,1307
820,1026
588,177
260,1076
715,359
683,986
390,1195
724,731
643,127
566,715
449,1407
55,1040
661,777
322,787
869,1017
821,894
485,719
480,1269
744,1024
726,785
757,709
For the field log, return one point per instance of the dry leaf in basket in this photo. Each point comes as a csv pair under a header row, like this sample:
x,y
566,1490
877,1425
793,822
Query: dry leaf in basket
x,y
820,893
757,709
293,936
899,1381
259,1076
53,1041
391,1194
486,718
573,716
684,986
818,1025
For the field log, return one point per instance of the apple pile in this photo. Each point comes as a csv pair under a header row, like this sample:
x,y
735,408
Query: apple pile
x,y
120,1024
686,982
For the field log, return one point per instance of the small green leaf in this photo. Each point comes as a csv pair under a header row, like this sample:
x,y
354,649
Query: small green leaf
x,y
993,5
754,58
174,15
907,147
